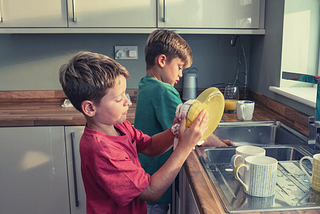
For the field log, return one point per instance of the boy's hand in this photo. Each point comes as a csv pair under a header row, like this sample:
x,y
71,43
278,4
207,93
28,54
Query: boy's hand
x,y
189,137
176,120
214,141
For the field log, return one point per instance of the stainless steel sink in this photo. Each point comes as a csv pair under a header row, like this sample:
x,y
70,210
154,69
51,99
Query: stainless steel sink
x,y
293,190
281,153
259,132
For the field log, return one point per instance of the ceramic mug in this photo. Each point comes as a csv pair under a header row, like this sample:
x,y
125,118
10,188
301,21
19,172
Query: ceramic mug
x,y
315,179
259,175
261,202
245,109
245,151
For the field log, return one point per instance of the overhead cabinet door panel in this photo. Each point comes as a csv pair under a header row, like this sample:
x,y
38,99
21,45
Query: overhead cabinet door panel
x,y
110,13
33,13
209,13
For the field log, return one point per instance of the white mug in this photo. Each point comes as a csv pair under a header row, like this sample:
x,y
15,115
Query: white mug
x,y
245,151
315,179
261,202
245,109
259,176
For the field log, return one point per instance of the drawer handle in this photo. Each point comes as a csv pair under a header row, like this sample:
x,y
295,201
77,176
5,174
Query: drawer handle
x,y
74,170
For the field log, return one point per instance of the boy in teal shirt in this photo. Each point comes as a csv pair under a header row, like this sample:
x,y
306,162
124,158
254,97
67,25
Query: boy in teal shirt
x,y
166,55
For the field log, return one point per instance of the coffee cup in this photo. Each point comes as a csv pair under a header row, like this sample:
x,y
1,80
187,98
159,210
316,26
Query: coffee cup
x,y
245,109
315,178
261,202
259,175
245,151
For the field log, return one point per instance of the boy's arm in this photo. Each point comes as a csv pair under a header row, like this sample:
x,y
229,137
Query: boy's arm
x,y
160,143
163,178
213,140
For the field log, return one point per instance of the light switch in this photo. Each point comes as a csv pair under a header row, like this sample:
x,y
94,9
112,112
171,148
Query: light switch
x,y
132,53
126,52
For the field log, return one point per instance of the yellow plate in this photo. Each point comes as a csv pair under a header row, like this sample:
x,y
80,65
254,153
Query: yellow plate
x,y
212,101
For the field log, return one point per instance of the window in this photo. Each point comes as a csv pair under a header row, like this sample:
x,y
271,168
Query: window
x,y
300,49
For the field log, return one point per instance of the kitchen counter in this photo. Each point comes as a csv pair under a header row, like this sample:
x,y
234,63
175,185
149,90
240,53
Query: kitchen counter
x,y
44,109
43,112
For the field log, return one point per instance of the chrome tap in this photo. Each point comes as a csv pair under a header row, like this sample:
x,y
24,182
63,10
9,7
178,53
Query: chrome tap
x,y
314,133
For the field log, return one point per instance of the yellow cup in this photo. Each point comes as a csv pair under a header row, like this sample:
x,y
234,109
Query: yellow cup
x,y
315,178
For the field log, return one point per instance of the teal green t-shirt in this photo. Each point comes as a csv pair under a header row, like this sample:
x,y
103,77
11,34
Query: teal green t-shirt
x,y
156,106
312,79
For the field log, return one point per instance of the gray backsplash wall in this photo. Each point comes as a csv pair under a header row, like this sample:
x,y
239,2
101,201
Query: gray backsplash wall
x,y
32,61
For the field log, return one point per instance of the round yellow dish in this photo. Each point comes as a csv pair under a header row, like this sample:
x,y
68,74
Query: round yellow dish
x,y
212,101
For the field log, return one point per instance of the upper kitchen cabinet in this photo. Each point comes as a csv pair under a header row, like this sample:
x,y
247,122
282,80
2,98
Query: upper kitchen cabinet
x,y
110,13
33,13
212,14
128,16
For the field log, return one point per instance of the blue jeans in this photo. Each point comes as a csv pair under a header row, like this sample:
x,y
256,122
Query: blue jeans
x,y
157,208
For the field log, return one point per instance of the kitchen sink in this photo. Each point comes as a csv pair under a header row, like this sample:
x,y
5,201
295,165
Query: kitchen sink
x,y
293,189
259,132
281,153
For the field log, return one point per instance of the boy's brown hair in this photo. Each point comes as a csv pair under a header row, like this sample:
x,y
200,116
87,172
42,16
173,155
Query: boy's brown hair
x,y
168,43
88,76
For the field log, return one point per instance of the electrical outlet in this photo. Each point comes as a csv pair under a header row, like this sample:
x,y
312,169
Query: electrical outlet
x,y
126,52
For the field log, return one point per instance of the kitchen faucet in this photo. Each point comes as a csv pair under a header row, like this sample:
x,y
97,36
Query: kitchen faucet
x,y
314,121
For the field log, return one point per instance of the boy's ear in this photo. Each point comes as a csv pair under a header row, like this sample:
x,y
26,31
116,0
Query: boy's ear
x,y
161,60
88,108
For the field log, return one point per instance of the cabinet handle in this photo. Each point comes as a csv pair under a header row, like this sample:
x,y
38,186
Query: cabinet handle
x,y
74,170
1,19
164,3
74,11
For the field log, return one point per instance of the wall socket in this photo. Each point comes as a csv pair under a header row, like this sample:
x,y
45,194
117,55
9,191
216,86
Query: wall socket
x,y
126,52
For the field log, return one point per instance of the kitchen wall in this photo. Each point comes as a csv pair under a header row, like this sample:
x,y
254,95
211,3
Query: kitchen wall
x,y
32,61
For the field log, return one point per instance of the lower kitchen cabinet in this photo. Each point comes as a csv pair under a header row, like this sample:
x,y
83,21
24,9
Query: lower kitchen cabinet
x,y
40,170
184,199
33,171
76,188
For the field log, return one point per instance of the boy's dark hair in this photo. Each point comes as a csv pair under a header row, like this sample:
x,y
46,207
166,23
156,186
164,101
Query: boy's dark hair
x,y
88,76
168,43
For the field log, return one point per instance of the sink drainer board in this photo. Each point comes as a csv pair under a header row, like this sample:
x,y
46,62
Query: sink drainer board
x,y
293,189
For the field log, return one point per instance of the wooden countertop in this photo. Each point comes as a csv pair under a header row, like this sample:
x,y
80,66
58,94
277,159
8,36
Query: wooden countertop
x,y
43,112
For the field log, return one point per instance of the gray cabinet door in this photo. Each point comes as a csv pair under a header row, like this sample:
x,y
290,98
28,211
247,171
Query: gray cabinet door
x,y
77,193
110,13
33,13
33,171
226,14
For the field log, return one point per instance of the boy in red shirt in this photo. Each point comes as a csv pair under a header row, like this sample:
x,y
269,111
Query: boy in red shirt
x,y
113,178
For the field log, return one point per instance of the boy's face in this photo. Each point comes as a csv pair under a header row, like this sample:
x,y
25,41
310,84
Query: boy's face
x,y
114,105
172,71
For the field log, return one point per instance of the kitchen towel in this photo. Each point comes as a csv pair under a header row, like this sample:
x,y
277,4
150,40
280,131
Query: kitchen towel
x,y
182,109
